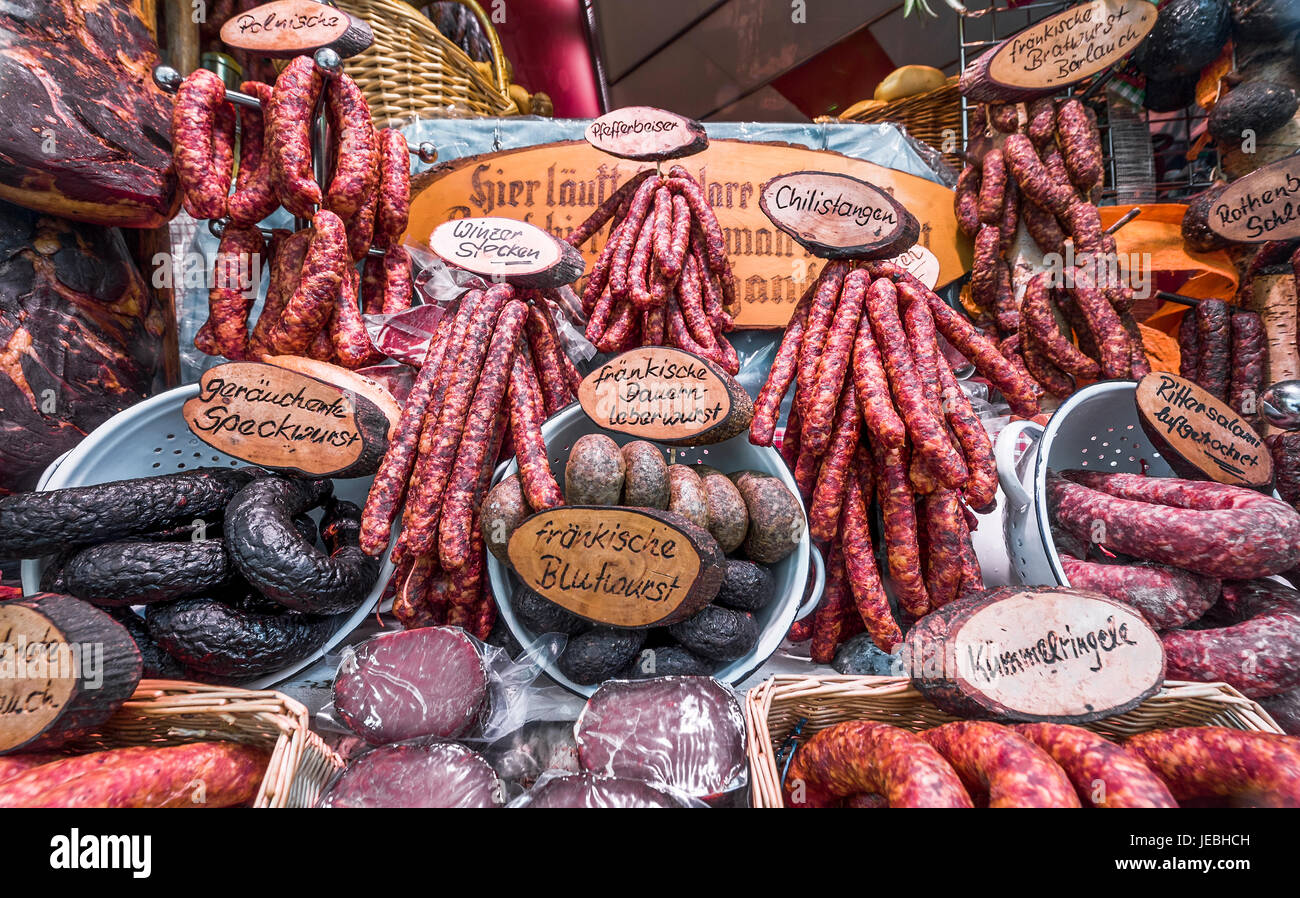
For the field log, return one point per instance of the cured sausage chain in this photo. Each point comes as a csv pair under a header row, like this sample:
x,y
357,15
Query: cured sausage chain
x,y
315,299
877,412
862,763
1041,167
663,277
494,368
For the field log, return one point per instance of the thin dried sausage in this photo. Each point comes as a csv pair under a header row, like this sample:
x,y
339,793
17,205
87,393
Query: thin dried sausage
x,y
864,578
929,437
455,526
767,406
540,488
836,469
389,485
833,363
902,549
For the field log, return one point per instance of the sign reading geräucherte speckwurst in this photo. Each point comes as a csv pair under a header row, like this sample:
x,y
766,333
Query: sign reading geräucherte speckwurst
x,y
287,421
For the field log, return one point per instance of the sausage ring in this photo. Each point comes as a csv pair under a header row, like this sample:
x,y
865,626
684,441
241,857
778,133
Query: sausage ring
x,y
860,756
995,760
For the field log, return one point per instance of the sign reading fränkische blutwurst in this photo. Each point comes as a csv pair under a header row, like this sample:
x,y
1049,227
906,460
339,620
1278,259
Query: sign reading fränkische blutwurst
x,y
555,186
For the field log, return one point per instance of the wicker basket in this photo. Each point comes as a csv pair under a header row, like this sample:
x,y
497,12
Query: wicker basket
x,y
174,712
932,117
413,71
775,707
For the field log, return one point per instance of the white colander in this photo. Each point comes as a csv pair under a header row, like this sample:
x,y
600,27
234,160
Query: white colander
x,y
1096,429
152,438
790,574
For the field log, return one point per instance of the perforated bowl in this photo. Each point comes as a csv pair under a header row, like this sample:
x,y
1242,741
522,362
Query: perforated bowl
x,y
151,438
1096,429
790,574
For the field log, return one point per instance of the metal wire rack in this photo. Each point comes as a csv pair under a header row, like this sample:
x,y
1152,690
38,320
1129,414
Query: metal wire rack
x,y
1145,153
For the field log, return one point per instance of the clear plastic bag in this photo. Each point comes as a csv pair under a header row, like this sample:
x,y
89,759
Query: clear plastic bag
x,y
435,682
595,790
687,733
416,774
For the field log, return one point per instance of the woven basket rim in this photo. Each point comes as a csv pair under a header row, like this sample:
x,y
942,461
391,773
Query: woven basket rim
x,y
1208,701
181,711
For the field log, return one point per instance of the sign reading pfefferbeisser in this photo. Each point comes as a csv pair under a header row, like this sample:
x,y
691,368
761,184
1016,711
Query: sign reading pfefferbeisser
x,y
646,134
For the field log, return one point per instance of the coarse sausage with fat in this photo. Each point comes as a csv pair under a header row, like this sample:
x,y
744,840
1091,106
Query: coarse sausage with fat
x,y
865,756
1210,528
994,760
1103,773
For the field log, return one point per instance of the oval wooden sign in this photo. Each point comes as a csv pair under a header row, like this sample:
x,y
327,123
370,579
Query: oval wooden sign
x,y
287,421
502,249
626,567
837,216
288,28
1060,50
646,134
1201,436
65,666
667,395
921,263
1263,205
1035,654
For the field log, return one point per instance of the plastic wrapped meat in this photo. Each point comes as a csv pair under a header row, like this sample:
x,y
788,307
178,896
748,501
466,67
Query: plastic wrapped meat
x,y
440,775
591,790
411,684
685,732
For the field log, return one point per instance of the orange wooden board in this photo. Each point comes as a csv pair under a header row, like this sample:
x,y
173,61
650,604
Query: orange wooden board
x,y
557,185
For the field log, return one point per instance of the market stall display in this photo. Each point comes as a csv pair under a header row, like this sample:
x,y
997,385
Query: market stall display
x,y
1048,525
